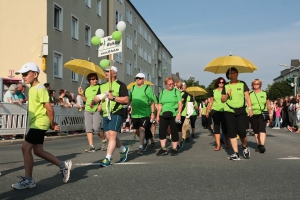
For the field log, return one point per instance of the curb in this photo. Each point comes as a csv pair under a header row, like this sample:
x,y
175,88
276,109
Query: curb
x,y
48,138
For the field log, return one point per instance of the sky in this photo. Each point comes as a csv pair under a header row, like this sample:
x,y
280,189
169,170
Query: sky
x,y
197,31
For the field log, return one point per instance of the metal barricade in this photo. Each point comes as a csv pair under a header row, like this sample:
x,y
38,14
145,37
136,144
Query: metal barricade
x,y
14,119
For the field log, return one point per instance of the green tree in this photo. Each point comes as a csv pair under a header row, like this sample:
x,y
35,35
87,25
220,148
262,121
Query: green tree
x,y
192,82
279,90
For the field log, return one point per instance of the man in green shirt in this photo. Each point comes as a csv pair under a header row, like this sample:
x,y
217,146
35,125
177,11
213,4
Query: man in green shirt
x,y
41,118
142,102
116,95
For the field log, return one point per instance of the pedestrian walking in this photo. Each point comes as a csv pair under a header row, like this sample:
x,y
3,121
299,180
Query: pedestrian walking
x,y
233,95
41,116
92,116
260,102
113,96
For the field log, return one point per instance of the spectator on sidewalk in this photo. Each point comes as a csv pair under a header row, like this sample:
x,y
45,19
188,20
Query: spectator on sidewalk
x,y
19,93
10,95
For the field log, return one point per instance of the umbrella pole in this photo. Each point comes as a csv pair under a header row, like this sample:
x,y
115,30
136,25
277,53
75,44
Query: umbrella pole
x,y
82,77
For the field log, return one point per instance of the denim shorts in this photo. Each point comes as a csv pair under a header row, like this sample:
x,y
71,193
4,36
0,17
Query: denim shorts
x,y
113,124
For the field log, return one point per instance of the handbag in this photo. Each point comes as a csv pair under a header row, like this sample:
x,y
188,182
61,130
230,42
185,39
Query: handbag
x,y
168,115
265,114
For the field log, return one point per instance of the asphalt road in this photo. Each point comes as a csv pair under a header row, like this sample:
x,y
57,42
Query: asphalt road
x,y
197,172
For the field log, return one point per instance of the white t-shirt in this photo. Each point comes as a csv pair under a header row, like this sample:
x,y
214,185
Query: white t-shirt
x,y
8,94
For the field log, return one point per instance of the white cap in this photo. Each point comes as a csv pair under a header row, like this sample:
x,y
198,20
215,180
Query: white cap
x,y
30,66
183,83
112,68
140,75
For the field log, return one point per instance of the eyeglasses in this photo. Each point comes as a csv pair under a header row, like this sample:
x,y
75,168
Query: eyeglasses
x,y
138,78
170,84
92,79
256,84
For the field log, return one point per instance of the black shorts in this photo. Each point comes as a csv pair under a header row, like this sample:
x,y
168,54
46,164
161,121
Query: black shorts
x,y
179,126
140,122
258,124
35,136
236,125
193,119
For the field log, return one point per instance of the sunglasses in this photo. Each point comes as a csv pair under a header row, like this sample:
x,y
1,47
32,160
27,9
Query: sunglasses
x,y
256,84
92,79
221,82
138,78
25,74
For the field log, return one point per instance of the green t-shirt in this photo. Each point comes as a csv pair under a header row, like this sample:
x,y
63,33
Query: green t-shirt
x,y
169,100
38,118
262,100
90,92
20,95
204,106
141,99
195,112
237,97
217,104
119,89
186,98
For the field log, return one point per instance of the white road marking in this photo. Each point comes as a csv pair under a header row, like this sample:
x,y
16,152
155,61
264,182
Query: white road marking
x,y
290,158
126,163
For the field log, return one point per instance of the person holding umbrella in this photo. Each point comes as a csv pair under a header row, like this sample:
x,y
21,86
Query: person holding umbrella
x,y
92,117
217,112
233,95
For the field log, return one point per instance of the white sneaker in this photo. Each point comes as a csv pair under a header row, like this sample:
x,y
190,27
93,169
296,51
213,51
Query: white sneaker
x,y
66,171
246,153
24,183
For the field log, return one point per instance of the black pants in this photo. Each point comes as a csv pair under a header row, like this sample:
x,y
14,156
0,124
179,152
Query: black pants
x,y
219,120
148,132
163,127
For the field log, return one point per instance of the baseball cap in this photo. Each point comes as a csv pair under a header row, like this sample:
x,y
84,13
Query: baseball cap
x,y
140,75
30,66
183,83
111,68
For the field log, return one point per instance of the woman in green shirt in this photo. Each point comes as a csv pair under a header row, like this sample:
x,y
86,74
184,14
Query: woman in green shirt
x,y
260,102
168,114
234,95
217,112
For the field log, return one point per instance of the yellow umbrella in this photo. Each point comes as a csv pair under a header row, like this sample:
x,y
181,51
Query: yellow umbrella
x,y
129,86
196,91
221,64
84,67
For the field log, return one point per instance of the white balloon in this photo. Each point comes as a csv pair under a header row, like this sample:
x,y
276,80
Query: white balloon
x,y
121,26
99,33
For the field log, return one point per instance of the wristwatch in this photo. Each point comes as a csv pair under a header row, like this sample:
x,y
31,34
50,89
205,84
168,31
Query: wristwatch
x,y
113,98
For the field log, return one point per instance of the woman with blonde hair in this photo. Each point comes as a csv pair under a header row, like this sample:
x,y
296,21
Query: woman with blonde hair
x,y
260,102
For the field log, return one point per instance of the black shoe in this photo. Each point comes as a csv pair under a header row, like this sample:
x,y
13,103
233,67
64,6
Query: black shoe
x,y
262,149
187,139
174,152
182,142
162,152
193,135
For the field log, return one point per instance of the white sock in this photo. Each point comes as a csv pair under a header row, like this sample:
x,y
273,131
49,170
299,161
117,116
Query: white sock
x,y
141,146
145,141
122,149
108,157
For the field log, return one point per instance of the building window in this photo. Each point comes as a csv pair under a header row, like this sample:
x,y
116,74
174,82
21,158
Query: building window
x,y
99,7
87,35
145,34
129,16
118,57
145,55
155,46
129,42
57,65
74,77
149,58
140,51
58,16
88,3
149,39
135,36
74,28
135,60
129,68
118,18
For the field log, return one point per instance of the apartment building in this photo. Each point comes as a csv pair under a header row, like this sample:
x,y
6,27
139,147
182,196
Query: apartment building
x,y
52,32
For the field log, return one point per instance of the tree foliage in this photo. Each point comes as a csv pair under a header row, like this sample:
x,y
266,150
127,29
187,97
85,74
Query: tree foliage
x,y
279,90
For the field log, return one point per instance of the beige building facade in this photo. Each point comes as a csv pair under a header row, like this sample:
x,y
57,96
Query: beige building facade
x,y
52,32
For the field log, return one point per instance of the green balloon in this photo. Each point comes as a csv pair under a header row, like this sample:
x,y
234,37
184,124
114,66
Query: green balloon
x,y
117,35
104,63
96,40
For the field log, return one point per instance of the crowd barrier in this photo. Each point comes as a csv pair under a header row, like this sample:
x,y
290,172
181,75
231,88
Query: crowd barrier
x,y
14,119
